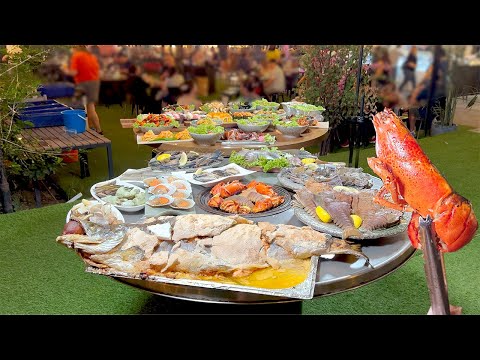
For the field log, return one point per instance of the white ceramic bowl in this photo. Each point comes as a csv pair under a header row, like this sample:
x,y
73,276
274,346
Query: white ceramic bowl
x,y
294,131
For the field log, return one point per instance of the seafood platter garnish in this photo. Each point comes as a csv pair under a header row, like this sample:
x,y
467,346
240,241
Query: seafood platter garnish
x,y
205,250
169,161
123,195
295,177
211,177
268,159
252,200
347,212
169,190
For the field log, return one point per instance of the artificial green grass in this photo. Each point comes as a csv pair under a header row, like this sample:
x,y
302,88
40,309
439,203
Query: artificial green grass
x,y
42,277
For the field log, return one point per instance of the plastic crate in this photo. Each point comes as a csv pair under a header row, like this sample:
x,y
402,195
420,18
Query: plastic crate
x,y
45,108
57,90
43,119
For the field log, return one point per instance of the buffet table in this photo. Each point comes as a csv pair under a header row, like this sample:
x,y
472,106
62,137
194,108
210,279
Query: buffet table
x,y
343,272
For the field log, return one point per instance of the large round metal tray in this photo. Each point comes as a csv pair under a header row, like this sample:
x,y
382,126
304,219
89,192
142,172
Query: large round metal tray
x,y
202,198
292,185
334,230
342,273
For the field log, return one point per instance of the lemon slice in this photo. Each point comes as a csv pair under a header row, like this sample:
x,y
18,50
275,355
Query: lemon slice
x,y
307,161
357,221
163,157
183,159
323,214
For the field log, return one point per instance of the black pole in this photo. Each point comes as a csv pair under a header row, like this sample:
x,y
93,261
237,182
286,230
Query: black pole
x,y
357,92
361,134
431,90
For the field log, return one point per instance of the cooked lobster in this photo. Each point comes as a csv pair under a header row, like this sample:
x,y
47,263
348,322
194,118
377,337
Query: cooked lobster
x,y
416,185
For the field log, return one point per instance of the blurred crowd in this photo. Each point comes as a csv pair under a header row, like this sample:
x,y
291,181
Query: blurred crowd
x,y
155,76
394,72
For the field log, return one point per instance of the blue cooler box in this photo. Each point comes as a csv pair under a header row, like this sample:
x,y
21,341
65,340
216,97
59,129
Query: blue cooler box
x,y
57,90
42,115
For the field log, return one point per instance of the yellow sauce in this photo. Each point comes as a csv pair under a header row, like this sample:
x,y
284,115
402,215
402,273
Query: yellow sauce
x,y
290,273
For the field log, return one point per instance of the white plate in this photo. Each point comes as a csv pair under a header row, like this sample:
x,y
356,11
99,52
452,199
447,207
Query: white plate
x,y
242,173
121,183
115,211
140,142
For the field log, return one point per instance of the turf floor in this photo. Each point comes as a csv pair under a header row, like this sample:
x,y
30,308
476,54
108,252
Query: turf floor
x,y
39,276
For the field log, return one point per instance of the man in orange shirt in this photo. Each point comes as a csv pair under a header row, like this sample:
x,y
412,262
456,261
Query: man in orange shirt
x,y
85,70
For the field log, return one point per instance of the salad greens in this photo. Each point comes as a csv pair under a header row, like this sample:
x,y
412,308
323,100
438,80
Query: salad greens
x,y
253,121
267,117
307,107
205,129
269,139
266,164
287,123
265,103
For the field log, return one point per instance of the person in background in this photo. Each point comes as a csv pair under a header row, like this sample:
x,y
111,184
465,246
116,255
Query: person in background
x,y
171,86
248,91
291,70
84,68
273,54
273,78
381,67
419,98
189,95
394,54
409,67
244,62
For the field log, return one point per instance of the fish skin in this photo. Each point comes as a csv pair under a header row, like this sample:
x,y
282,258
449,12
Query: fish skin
x,y
338,246
124,260
105,244
302,242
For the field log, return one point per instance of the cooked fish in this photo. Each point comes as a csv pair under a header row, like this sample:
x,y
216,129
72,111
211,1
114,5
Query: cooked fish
x,y
302,242
99,245
128,260
138,238
198,225
195,259
244,252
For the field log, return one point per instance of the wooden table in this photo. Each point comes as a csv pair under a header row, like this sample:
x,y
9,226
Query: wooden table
x,y
312,137
55,138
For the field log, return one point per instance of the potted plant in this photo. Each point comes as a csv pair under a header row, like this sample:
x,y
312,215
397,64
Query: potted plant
x,y
330,81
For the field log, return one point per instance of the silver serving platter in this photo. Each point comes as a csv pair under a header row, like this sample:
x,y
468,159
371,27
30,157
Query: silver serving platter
x,y
342,273
304,290
334,230
292,185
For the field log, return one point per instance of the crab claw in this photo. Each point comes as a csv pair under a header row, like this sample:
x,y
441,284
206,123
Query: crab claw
x,y
455,222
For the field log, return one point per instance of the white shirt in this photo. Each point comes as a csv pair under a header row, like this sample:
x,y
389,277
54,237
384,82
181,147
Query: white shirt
x,y
278,83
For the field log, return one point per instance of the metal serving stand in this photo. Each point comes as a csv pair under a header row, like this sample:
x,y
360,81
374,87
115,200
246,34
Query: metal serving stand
x,y
341,273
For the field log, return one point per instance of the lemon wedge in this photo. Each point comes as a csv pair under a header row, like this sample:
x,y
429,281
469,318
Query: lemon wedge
x,y
163,157
357,221
307,161
323,214
183,159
